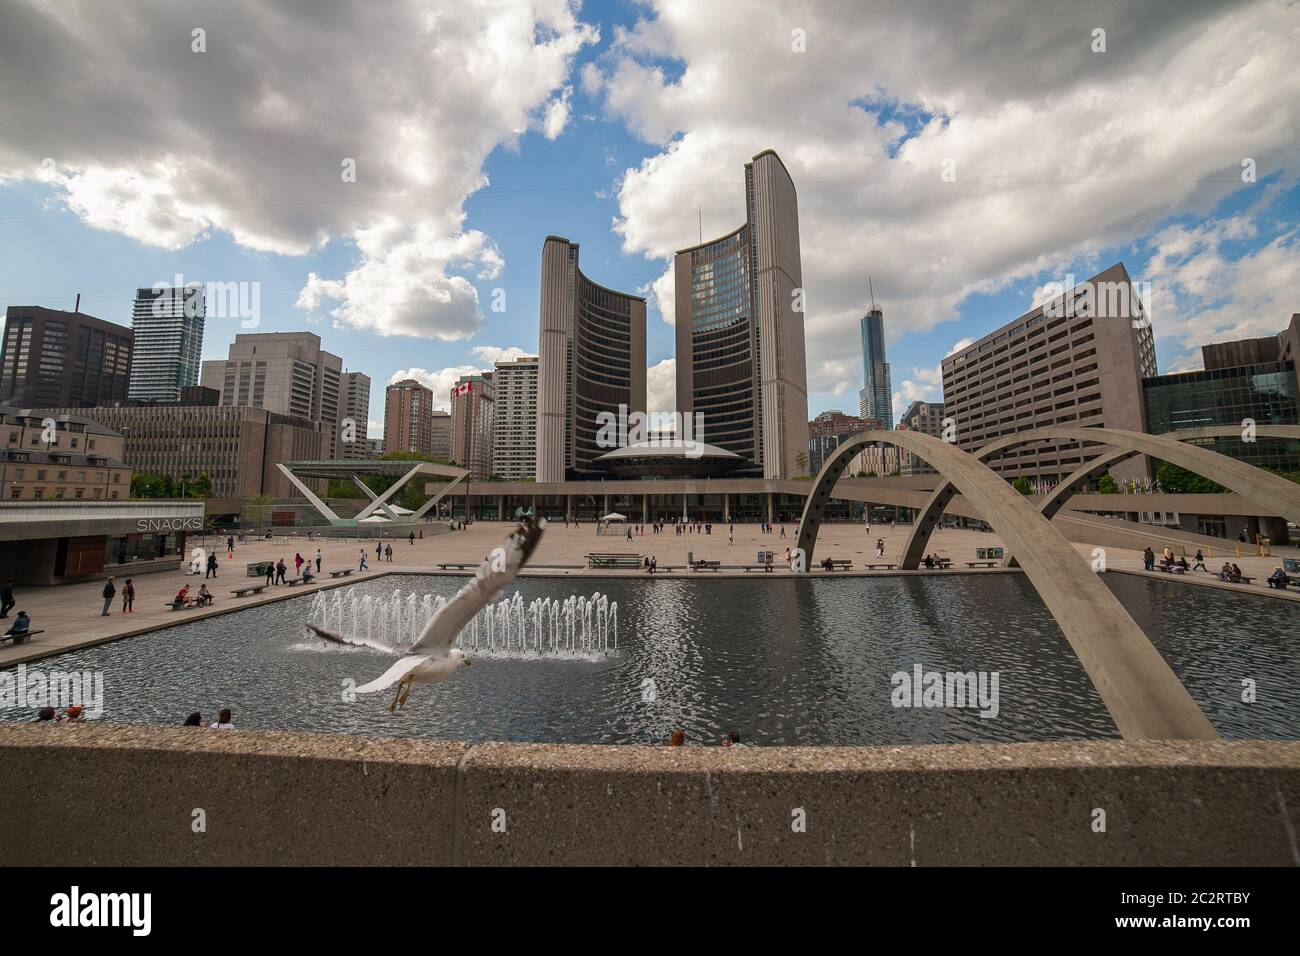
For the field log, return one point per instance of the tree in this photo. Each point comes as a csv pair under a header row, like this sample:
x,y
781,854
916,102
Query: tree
x,y
1023,486
257,508
1107,486
801,462
1180,481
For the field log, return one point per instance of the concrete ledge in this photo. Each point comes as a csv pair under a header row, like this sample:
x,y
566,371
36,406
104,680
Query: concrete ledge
x,y
100,795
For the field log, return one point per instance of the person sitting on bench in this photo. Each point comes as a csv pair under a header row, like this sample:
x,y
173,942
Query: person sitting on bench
x,y
205,596
828,565
307,576
21,625
928,562
1225,572
1277,579
182,598
1180,566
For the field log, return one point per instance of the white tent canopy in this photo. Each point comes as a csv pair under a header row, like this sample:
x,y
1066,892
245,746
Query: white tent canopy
x,y
374,519
614,516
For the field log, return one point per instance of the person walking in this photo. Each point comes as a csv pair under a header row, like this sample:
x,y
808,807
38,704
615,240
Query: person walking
x,y
6,598
128,597
1199,562
280,569
413,539
212,567
388,553
270,572
108,593
880,547
297,564
230,546
379,551
318,560
1149,559
362,565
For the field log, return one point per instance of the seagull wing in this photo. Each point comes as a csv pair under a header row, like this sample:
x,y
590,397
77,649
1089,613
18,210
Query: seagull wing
x,y
497,570
351,641
395,673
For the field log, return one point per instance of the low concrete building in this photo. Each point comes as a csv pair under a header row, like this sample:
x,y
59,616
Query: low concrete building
x,y
58,458
55,542
237,446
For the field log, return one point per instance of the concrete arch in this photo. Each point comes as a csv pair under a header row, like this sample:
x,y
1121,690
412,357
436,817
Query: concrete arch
x,y
1144,697
1272,493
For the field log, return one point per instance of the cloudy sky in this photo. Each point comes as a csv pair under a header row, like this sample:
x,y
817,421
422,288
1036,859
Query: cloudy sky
x,y
386,172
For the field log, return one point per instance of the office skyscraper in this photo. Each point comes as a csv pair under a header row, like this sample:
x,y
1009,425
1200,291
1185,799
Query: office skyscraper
x,y
473,407
876,398
514,439
740,329
59,359
355,398
1078,359
592,360
168,326
287,373
408,418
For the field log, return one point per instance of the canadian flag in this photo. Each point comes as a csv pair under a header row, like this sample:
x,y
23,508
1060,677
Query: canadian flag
x,y
463,388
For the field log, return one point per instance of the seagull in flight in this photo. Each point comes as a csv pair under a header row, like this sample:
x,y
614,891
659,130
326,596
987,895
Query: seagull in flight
x,y
432,658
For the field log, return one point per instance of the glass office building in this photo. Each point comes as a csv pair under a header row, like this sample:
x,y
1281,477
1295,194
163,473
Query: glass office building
x,y
1265,393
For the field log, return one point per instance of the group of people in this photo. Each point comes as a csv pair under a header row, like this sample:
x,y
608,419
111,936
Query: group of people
x,y
278,573
75,714
183,598
223,721
1177,565
110,592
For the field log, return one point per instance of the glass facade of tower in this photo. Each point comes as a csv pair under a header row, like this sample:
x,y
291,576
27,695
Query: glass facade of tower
x,y
724,345
1265,393
876,398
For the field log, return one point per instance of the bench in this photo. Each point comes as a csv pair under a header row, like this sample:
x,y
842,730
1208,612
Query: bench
x,y
251,589
668,567
458,567
19,638
872,567
627,562
943,564
757,567
703,565
341,574
182,607
1171,569
982,564
838,564
292,581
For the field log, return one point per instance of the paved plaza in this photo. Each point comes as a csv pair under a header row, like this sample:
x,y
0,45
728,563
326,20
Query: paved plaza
x,y
70,614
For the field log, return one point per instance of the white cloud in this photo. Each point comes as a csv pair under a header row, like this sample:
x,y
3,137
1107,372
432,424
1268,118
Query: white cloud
x,y
251,136
661,386
491,354
1059,152
557,114
1203,293
440,381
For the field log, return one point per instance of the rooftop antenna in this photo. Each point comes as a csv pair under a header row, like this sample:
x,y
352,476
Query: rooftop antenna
x,y
77,307
873,294
701,212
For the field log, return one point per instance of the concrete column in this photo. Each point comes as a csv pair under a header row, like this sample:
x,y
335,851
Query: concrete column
x,y
769,507
534,505
684,513
645,508
726,506
501,508
606,511
568,507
